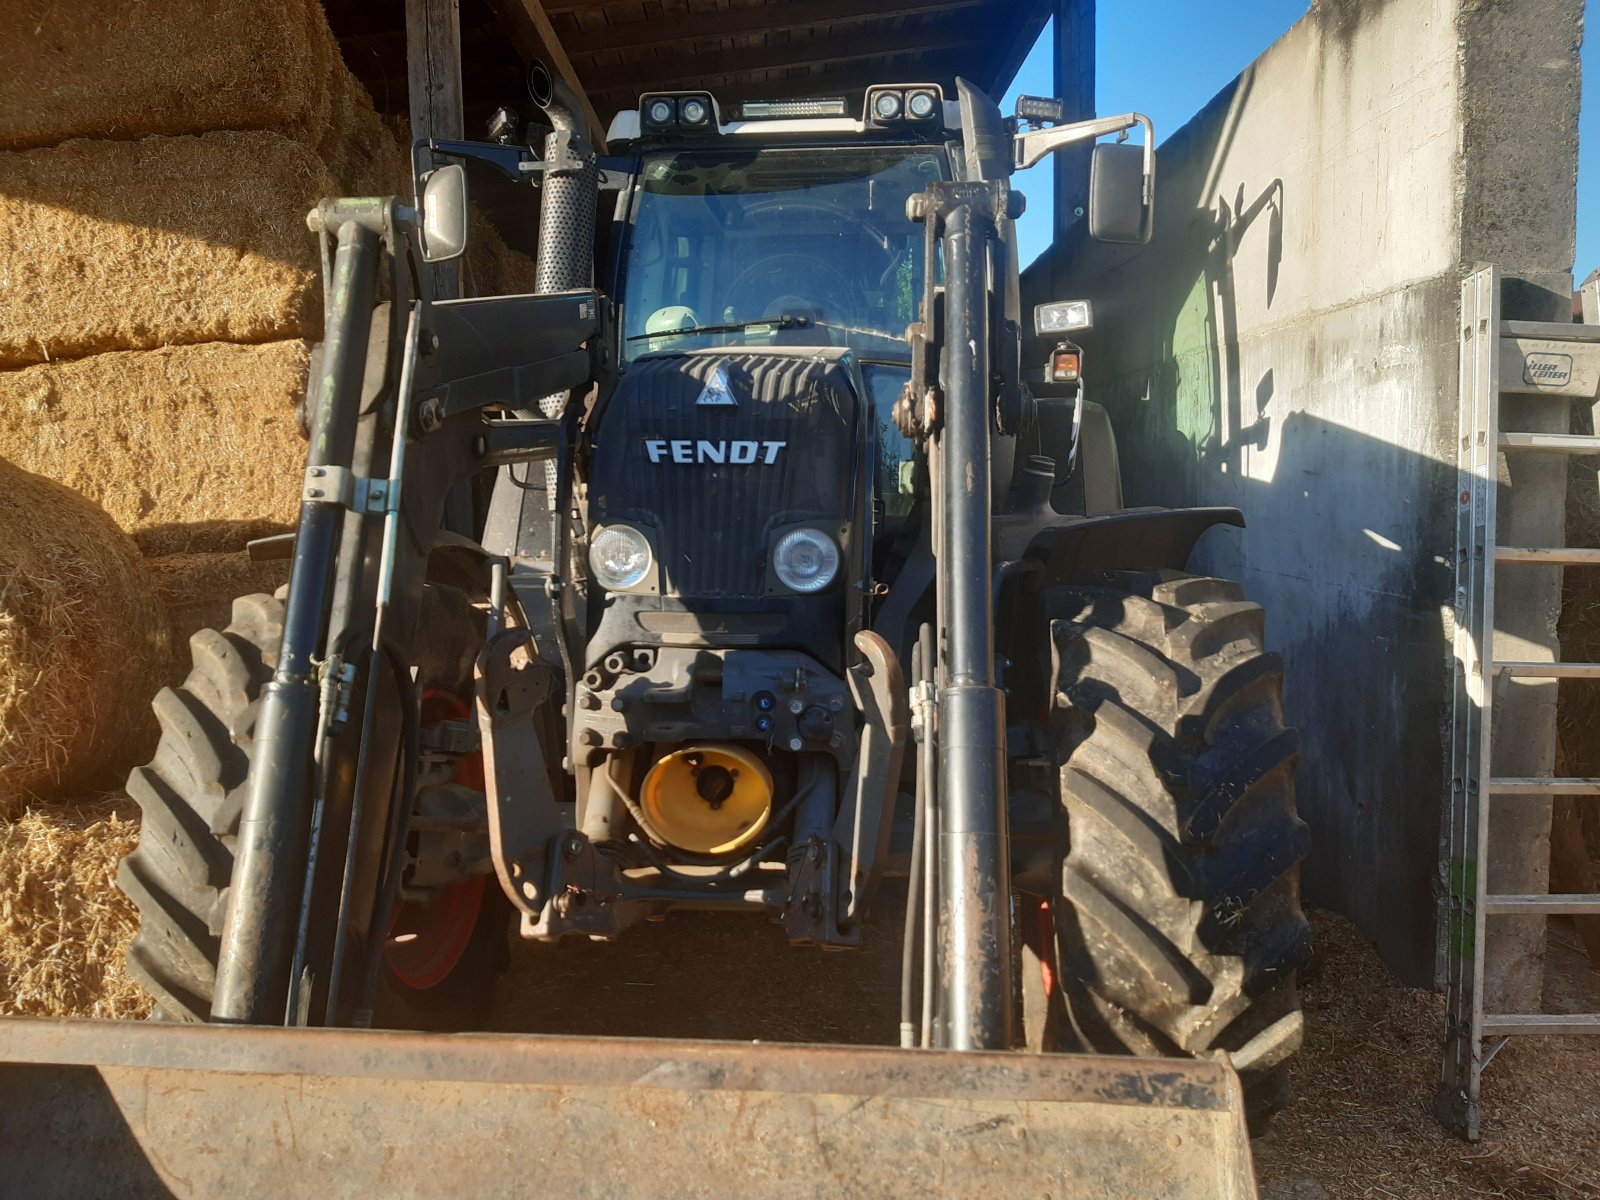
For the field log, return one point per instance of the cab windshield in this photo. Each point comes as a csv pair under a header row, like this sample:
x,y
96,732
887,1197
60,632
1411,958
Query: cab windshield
x,y
815,241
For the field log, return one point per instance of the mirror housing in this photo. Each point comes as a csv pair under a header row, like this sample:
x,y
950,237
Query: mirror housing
x,y
1121,193
444,213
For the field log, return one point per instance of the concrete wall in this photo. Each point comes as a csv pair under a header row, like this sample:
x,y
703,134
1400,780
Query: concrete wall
x,y
1287,344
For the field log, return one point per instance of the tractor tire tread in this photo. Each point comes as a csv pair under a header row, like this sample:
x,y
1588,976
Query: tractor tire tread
x,y
190,796
1179,925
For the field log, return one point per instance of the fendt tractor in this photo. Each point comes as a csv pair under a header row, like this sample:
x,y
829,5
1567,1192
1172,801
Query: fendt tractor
x,y
747,558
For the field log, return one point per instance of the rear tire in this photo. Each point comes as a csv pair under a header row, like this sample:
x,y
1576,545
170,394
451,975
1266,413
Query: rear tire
x,y
191,796
1178,927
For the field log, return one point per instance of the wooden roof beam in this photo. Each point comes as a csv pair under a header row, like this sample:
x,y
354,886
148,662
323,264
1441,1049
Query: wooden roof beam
x,y
696,70
661,31
531,33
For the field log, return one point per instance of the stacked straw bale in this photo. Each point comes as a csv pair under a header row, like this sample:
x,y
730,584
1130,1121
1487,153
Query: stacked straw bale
x,y
158,291
163,66
189,448
82,643
169,240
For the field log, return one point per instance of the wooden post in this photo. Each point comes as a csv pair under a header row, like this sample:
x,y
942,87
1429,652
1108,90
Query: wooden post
x,y
433,77
1074,83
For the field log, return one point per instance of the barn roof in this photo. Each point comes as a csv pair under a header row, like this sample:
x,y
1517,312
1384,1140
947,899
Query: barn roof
x,y
737,49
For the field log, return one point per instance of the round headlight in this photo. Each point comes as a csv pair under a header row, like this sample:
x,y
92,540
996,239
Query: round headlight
x,y
694,112
619,555
920,105
806,560
887,105
659,112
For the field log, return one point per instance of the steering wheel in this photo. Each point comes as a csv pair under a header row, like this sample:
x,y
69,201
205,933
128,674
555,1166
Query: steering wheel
x,y
779,273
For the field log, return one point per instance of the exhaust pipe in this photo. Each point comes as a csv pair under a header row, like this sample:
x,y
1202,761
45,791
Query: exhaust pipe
x,y
570,195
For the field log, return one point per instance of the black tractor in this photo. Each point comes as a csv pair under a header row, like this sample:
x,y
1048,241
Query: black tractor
x,y
746,558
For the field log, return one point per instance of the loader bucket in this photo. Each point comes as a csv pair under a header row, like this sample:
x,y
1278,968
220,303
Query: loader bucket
x,y
135,1110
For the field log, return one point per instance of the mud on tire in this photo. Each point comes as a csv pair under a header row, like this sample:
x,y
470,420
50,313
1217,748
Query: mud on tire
x,y
1178,923
191,795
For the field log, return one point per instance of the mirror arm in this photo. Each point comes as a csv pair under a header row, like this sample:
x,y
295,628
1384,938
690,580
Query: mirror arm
x,y
1035,144
508,160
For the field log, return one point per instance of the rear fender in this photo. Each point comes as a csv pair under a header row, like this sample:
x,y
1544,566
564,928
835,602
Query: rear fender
x,y
1136,539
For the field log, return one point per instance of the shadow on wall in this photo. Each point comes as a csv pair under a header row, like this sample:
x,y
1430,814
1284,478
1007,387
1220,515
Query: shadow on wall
x,y
1231,380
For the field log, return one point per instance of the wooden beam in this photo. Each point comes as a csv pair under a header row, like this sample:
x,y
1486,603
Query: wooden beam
x,y
433,84
1026,19
1073,82
632,35
700,69
534,37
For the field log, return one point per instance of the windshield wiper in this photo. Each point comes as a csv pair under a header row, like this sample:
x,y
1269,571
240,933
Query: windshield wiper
x,y
790,322
883,333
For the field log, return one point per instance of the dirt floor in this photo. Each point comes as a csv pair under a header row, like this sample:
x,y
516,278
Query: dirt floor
x,y
1361,1124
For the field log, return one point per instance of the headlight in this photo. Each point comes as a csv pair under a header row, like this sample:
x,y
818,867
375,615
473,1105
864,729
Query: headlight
x,y
660,112
806,560
922,105
886,106
619,556
694,111
1063,316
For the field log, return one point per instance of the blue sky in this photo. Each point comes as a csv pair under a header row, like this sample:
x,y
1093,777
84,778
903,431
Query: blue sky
x,y
1147,63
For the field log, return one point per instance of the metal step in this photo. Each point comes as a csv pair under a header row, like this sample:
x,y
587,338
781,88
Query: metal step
x,y
1500,1024
1551,443
1572,905
1548,670
1543,785
1559,331
1550,556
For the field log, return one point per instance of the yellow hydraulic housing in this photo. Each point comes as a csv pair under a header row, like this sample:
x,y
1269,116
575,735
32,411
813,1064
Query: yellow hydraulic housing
x,y
708,799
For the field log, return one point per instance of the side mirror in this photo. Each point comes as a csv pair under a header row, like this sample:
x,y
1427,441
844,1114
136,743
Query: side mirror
x,y
444,214
1121,193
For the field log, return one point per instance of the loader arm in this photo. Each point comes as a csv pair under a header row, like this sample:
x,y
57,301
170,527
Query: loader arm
x,y
405,406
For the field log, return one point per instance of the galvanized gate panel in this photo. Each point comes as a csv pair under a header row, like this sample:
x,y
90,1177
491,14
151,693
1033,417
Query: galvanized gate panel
x,y
99,1108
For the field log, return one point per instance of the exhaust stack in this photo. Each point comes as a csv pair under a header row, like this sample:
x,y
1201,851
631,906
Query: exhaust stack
x,y
571,193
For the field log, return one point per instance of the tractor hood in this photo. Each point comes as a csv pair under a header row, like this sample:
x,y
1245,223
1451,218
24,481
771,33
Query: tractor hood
x,y
716,453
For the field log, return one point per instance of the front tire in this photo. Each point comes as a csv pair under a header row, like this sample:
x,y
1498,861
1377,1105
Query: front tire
x,y
1178,926
191,796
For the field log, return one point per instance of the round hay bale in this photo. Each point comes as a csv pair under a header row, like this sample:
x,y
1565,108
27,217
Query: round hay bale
x,y
82,643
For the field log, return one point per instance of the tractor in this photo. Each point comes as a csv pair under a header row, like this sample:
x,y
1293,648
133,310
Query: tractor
x,y
748,559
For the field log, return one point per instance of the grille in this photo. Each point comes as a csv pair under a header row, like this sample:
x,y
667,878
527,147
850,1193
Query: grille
x,y
712,521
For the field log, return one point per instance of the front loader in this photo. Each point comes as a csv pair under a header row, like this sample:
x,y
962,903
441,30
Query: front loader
x,y
734,568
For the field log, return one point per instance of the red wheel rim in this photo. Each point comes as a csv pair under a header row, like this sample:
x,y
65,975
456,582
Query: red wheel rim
x,y
1047,947
426,940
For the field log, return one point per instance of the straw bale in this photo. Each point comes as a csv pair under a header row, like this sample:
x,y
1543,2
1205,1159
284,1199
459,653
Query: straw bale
x,y
161,66
365,155
191,447
82,639
169,240
494,268
64,926
197,592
